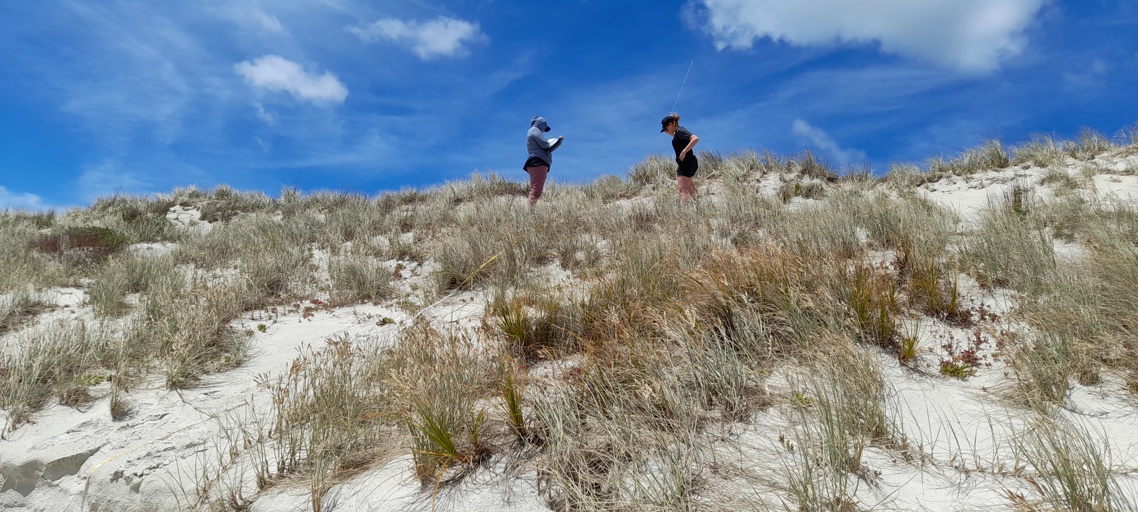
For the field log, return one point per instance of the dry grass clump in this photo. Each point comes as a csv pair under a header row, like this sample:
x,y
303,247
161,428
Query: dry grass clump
x,y
1085,313
47,361
349,405
1042,151
18,309
791,295
80,246
536,326
490,249
481,188
224,204
137,219
990,156
809,166
841,409
1009,250
732,169
438,378
1073,467
32,219
358,277
907,176
185,328
330,418
123,275
1061,180
1091,143
654,170
609,188
805,190
272,255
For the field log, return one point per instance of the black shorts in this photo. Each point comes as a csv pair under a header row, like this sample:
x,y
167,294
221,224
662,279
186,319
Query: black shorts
x,y
534,162
687,167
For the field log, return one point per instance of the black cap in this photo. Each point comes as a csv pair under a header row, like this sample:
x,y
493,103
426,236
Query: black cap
x,y
665,122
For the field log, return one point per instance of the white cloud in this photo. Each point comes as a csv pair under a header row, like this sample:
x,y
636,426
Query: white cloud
x,y
825,143
969,35
20,201
440,37
276,73
264,115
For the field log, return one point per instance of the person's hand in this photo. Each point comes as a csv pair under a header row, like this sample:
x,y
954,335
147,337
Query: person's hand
x,y
560,137
682,155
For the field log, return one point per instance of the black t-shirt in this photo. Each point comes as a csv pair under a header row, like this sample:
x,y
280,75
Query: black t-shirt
x,y
680,141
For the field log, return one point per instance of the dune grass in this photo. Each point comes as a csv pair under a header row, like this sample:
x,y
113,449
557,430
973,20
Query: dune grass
x,y
617,382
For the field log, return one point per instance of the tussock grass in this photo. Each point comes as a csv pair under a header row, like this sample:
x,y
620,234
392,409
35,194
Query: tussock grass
x,y
1044,367
1073,466
872,297
989,156
808,165
44,366
125,275
137,219
330,418
1091,144
536,326
1061,180
435,377
655,170
185,328
841,410
357,277
1008,250
1085,310
733,169
79,246
906,176
1042,151
18,309
609,188
36,220
807,190
223,203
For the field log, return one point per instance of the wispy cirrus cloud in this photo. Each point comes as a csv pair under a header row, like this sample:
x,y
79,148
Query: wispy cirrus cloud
x,y
250,17
278,74
1087,78
825,143
440,37
969,35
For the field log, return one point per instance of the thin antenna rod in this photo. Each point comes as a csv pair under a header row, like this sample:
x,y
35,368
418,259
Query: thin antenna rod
x,y
681,91
677,102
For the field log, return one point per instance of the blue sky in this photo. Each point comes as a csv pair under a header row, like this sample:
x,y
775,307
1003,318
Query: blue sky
x,y
138,97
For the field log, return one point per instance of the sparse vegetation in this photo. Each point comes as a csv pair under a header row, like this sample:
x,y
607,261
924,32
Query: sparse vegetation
x,y
620,348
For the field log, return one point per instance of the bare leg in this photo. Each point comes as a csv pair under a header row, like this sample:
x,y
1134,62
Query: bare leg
x,y
687,188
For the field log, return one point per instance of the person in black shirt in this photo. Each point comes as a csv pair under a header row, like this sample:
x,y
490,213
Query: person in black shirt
x,y
682,141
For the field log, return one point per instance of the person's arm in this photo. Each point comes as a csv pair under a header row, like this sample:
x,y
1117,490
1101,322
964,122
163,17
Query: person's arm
x,y
687,149
557,144
540,140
